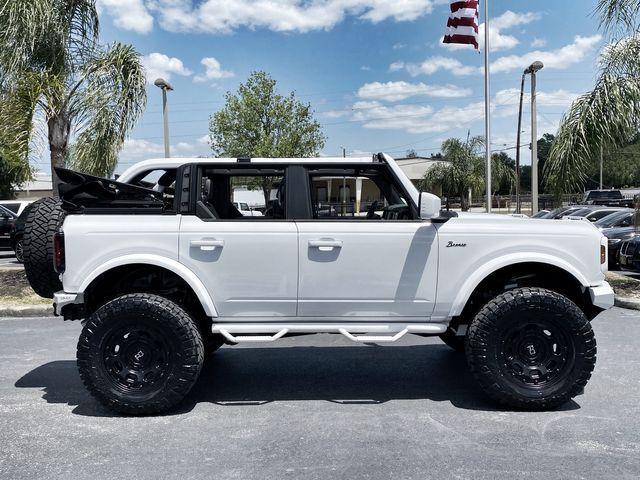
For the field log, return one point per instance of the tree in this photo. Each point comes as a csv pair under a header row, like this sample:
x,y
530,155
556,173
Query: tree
x,y
256,121
608,116
411,153
52,67
464,170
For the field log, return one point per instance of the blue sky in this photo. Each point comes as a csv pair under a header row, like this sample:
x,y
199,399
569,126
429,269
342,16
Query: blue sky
x,y
374,71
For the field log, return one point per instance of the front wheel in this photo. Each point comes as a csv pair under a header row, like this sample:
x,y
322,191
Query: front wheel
x,y
140,354
531,348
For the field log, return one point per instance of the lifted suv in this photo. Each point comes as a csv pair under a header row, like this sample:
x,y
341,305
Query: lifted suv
x,y
165,271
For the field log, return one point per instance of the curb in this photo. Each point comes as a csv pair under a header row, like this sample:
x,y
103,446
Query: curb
x,y
26,311
628,302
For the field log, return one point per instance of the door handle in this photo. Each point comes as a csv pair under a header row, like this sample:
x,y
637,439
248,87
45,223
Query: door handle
x,y
325,245
207,245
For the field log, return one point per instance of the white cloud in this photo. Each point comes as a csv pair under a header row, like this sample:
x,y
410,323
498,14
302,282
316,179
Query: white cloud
x,y
136,149
539,43
159,65
559,59
225,16
213,71
395,91
433,65
365,68
419,119
128,14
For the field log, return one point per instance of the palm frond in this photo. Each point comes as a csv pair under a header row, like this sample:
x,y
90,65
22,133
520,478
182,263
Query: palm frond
x,y
106,104
17,109
618,16
606,117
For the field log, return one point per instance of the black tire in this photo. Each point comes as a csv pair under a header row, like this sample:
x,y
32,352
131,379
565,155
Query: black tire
x,y
19,250
531,349
44,219
140,354
452,340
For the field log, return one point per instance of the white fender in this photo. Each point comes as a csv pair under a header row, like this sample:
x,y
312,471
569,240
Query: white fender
x,y
172,265
508,260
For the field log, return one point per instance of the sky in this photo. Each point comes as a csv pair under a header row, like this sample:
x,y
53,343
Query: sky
x,y
375,71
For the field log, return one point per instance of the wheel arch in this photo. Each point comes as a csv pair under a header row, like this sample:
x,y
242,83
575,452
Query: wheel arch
x,y
151,263
545,271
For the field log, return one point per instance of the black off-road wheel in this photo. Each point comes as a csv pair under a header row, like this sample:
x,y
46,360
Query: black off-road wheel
x,y
531,349
140,354
44,219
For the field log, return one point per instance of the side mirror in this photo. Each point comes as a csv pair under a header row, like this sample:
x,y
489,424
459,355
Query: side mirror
x,y
429,206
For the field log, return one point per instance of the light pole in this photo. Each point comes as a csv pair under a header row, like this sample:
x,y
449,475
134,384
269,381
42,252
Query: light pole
x,y
518,145
534,68
165,86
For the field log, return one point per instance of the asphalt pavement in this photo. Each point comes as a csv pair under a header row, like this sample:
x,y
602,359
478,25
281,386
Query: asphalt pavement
x,y
294,410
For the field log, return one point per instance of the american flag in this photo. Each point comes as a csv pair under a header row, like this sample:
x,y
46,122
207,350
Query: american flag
x,y
462,27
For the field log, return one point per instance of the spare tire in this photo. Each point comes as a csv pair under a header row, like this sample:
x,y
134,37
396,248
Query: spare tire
x,y
44,219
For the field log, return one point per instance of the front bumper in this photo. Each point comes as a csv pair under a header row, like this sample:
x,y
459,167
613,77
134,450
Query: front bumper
x,y
62,299
602,296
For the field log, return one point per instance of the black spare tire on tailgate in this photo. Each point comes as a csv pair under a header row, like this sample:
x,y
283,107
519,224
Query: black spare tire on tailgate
x,y
44,219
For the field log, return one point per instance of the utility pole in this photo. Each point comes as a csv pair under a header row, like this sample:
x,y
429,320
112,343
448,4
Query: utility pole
x,y
165,87
533,69
518,145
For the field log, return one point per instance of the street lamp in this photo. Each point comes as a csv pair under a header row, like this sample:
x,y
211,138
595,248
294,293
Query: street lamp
x,y
534,68
165,86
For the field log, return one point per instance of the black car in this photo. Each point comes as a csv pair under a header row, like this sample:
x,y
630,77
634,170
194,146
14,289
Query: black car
x,y
610,198
7,220
17,233
629,256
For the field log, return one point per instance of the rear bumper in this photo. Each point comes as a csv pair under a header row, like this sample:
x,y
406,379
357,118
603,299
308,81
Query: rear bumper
x,y
602,296
62,299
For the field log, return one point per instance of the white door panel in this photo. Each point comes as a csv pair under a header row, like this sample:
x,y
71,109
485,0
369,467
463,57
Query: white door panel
x,y
250,268
367,269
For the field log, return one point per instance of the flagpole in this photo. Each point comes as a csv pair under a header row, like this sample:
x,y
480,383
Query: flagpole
x,y
487,105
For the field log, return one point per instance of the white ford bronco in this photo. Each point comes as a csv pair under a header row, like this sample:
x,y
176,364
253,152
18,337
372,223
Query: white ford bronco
x,y
163,269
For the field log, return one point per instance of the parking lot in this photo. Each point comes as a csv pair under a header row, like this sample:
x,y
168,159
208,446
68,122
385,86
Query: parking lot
x,y
8,259
293,410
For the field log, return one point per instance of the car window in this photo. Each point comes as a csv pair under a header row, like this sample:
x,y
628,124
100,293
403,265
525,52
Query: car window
x,y
219,189
13,207
598,215
614,220
356,194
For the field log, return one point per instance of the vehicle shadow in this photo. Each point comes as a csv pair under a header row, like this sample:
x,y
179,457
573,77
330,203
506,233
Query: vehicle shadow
x,y
342,375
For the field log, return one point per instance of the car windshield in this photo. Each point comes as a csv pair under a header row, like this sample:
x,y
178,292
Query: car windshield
x,y
583,212
613,220
6,212
556,212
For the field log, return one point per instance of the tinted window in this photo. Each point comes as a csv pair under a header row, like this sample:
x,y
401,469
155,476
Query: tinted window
x,y
14,207
615,219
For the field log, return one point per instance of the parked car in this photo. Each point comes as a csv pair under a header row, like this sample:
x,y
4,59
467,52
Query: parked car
x,y
611,198
629,256
623,218
247,211
160,284
17,233
595,214
570,211
615,238
16,206
7,220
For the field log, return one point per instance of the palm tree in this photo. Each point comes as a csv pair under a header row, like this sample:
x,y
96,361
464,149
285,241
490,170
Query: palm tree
x,y
464,170
53,71
608,117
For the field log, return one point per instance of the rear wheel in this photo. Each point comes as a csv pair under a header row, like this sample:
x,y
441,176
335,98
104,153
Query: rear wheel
x,y
140,354
44,219
531,348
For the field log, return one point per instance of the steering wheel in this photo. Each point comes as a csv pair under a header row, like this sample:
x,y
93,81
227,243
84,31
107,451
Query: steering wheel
x,y
371,213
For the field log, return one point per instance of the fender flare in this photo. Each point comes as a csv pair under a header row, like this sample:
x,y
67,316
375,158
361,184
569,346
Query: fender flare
x,y
496,264
156,260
